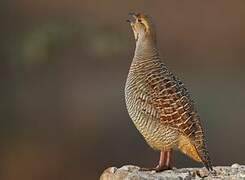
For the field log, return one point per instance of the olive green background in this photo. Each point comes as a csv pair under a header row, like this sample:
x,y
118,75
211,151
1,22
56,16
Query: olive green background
x,y
63,66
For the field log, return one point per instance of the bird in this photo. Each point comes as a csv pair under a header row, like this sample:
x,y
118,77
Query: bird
x,y
159,103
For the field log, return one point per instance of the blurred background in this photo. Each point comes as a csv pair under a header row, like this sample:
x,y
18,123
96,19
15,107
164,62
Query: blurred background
x,y
63,66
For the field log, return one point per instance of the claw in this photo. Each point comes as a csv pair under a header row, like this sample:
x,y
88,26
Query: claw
x,y
157,169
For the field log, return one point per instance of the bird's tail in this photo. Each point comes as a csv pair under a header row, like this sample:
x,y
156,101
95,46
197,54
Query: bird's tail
x,y
197,151
204,155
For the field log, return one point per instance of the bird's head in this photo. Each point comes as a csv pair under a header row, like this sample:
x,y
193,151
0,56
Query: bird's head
x,y
142,27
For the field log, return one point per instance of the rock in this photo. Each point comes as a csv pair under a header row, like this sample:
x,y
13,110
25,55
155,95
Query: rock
x,y
130,172
235,165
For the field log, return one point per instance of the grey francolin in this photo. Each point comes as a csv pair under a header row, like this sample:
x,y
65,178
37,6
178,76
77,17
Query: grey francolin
x,y
158,102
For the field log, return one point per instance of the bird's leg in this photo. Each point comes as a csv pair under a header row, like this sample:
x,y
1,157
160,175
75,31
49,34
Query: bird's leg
x,y
164,162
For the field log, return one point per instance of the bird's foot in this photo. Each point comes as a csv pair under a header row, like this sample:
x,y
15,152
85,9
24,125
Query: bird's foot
x,y
164,162
158,168
162,168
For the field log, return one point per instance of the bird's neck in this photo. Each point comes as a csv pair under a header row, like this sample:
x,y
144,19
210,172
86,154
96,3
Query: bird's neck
x,y
146,48
146,57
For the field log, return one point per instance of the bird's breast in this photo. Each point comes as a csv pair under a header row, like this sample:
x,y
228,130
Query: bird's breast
x,y
139,97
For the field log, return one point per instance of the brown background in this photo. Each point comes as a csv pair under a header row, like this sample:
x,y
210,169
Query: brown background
x,y
63,66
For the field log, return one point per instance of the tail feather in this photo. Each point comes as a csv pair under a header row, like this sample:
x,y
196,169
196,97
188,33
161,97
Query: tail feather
x,y
196,152
204,155
188,148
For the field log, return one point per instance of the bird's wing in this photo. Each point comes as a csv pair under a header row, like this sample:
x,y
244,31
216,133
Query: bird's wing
x,y
175,106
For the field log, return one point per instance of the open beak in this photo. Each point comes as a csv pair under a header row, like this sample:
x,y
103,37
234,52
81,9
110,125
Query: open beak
x,y
133,17
132,20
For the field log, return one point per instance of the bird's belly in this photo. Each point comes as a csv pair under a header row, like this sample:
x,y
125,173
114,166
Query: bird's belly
x,y
156,134
147,120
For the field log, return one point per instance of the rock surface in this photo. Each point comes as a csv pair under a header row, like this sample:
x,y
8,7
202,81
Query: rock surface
x,y
130,172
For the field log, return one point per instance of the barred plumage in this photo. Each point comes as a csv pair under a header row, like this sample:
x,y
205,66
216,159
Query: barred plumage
x,y
158,102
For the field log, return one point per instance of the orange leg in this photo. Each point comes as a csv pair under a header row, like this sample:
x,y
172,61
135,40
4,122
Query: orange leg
x,y
164,162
